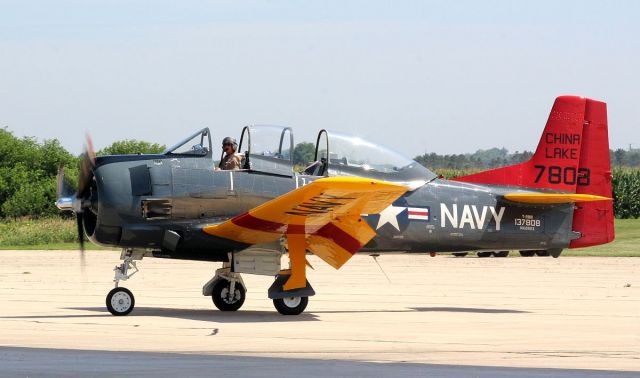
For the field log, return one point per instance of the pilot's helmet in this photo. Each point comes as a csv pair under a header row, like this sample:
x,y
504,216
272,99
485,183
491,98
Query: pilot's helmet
x,y
230,140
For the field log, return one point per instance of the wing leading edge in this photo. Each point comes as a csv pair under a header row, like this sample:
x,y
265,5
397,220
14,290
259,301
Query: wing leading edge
x,y
322,217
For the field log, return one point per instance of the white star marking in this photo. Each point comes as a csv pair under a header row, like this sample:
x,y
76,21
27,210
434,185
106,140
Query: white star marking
x,y
390,215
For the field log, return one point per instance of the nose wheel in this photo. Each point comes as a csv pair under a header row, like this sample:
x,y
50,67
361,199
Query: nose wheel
x,y
120,301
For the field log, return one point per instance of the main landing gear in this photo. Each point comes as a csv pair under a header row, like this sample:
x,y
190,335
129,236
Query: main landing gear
x,y
228,292
226,288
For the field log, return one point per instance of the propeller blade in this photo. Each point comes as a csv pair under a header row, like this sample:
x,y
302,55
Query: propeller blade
x,y
87,164
80,231
59,181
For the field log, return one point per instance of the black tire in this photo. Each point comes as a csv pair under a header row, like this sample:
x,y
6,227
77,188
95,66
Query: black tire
x,y
120,301
484,254
460,254
220,296
527,253
291,305
501,254
543,253
555,252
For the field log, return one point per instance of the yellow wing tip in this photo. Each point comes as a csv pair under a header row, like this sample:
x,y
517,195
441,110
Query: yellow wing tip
x,y
550,198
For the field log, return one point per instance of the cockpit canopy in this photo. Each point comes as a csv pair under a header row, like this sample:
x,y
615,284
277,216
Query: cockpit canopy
x,y
197,144
346,155
269,149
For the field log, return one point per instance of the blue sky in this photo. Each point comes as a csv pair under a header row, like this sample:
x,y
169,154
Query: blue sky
x,y
416,76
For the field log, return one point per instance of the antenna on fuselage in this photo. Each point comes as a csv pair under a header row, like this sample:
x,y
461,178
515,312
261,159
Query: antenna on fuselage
x,y
375,258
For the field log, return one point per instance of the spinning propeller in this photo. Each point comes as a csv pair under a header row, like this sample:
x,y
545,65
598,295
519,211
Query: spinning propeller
x,y
81,200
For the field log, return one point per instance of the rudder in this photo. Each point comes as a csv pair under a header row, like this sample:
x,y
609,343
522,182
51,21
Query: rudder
x,y
594,220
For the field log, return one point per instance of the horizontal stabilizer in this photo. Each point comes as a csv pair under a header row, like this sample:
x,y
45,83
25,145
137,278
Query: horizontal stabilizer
x,y
544,198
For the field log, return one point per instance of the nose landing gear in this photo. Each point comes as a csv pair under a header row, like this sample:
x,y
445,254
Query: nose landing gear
x,y
120,301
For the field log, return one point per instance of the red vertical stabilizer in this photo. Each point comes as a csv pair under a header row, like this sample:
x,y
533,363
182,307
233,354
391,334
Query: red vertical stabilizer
x,y
554,165
572,156
594,220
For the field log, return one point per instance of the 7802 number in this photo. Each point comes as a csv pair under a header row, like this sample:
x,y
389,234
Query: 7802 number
x,y
566,175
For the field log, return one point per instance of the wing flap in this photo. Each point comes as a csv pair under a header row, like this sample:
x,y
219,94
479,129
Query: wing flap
x,y
336,242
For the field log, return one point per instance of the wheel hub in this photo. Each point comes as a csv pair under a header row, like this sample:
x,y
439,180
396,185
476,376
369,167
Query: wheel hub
x,y
121,302
228,298
292,301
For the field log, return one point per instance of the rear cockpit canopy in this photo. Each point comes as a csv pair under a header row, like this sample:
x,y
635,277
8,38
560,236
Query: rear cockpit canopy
x,y
346,155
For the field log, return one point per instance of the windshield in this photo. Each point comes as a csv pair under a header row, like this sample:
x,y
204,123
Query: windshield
x,y
198,144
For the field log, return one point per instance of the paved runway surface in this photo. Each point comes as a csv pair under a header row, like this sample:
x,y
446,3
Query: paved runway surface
x,y
442,316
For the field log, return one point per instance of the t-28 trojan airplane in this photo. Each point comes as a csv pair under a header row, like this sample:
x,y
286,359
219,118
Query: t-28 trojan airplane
x,y
357,196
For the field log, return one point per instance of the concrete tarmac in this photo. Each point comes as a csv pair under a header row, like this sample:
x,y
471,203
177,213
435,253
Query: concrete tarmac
x,y
445,316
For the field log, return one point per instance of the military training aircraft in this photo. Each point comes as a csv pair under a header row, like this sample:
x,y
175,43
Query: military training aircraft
x,y
356,196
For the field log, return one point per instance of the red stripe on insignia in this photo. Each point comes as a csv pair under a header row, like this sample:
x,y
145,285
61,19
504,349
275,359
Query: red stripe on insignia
x,y
338,236
249,221
418,213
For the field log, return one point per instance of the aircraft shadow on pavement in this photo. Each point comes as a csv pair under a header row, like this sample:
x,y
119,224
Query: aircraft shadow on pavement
x,y
191,314
249,316
470,309
429,309
207,314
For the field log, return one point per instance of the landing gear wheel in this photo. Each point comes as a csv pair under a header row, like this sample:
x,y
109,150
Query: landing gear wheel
x,y
460,254
543,253
223,300
120,301
527,253
291,305
501,254
484,254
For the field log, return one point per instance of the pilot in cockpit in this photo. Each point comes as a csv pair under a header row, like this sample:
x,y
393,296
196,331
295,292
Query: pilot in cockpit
x,y
231,160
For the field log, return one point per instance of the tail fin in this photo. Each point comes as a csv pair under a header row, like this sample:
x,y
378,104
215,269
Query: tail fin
x,y
554,165
572,156
594,220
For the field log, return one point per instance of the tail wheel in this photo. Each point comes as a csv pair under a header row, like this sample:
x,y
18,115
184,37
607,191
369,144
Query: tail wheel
x,y
224,299
120,301
291,305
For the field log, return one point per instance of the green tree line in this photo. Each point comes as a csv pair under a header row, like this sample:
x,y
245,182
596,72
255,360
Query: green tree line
x,y
28,171
499,157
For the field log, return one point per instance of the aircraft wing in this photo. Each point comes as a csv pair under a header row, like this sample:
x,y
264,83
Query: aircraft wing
x,y
322,217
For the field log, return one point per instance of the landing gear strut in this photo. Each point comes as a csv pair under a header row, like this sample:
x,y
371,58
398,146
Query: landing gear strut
x,y
120,301
226,288
228,295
